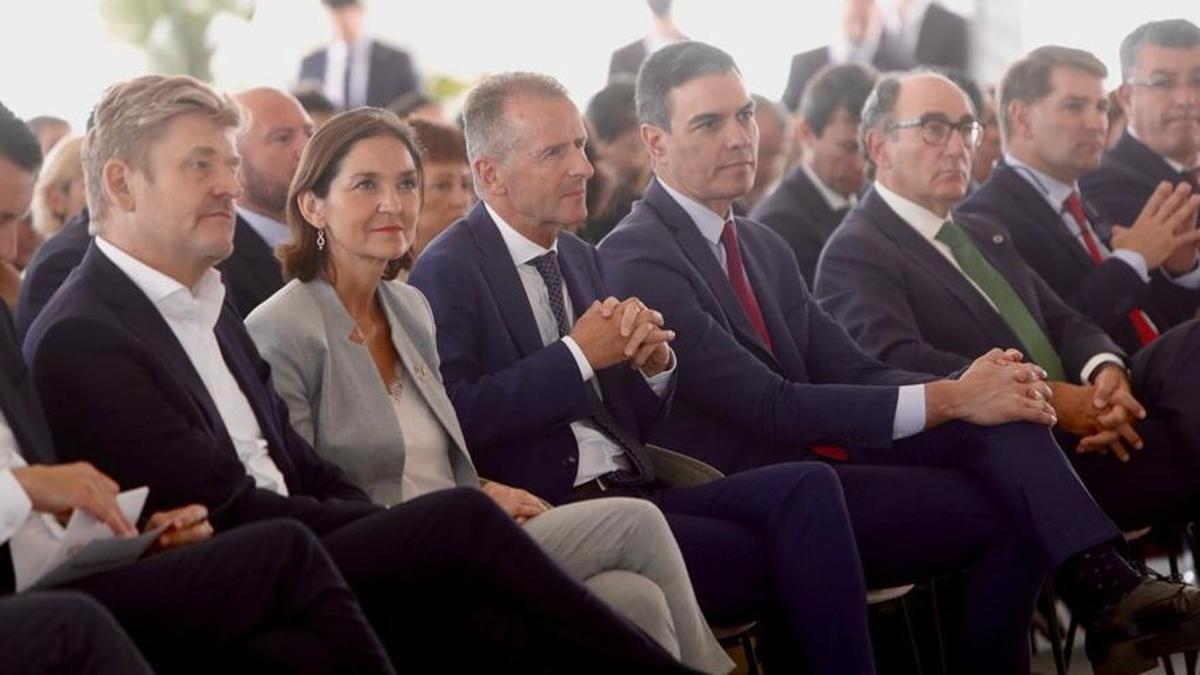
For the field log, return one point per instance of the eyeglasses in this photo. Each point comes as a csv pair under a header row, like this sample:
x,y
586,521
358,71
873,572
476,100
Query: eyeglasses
x,y
937,130
1167,84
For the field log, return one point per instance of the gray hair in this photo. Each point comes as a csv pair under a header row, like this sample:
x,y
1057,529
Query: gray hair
x,y
878,112
1028,80
671,67
132,114
1176,33
484,123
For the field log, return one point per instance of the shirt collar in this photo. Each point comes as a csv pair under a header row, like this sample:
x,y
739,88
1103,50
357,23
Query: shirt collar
x,y
924,221
1055,191
833,198
519,247
272,231
176,302
710,224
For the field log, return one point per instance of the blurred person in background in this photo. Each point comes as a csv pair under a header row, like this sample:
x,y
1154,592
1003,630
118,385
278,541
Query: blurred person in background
x,y
58,193
449,193
49,130
626,60
621,162
417,105
356,70
316,104
774,150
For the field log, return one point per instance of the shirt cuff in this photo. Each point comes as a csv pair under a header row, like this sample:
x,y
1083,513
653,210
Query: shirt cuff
x,y
585,368
1093,364
659,383
15,506
910,411
1188,280
1135,260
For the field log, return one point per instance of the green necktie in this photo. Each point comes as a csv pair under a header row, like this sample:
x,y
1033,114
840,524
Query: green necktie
x,y
1012,309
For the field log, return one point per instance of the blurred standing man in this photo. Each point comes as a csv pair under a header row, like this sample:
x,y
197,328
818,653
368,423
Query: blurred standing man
x,y
356,70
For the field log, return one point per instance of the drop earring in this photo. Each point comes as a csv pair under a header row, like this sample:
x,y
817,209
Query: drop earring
x,y
320,240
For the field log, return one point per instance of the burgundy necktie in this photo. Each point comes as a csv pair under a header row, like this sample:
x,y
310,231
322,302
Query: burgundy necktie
x,y
1146,331
741,283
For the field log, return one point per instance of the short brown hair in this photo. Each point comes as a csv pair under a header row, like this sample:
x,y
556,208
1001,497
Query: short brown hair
x,y
1028,80
442,143
319,165
132,114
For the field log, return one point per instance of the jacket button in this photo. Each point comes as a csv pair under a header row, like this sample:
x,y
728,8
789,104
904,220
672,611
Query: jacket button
x,y
569,460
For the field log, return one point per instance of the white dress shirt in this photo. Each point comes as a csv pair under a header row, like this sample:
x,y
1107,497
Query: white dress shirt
x,y
927,223
335,72
32,537
598,454
272,231
192,314
910,403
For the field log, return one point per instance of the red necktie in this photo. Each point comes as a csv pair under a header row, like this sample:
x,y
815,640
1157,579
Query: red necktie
x,y
1146,331
741,283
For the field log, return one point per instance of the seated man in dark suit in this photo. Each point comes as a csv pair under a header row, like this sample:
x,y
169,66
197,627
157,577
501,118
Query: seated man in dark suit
x,y
1054,114
144,371
898,267
556,384
816,194
265,597
270,147
49,267
1160,92
863,40
941,475
356,70
626,60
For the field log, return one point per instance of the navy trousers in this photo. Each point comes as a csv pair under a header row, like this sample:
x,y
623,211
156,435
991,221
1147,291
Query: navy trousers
x,y
64,633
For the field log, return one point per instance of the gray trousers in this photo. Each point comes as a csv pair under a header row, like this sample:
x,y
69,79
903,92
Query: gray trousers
x,y
623,551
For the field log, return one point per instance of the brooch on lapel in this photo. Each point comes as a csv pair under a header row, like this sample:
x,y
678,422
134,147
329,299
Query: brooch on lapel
x,y
997,239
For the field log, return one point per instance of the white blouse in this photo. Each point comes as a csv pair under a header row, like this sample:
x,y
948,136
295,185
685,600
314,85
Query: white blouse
x,y
426,445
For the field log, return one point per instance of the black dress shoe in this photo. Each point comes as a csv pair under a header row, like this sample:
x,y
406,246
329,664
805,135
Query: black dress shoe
x,y
1158,618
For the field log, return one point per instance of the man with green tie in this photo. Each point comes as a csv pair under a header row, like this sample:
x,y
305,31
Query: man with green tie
x,y
928,289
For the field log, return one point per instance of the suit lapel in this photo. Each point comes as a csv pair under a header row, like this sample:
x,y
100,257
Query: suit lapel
x,y
1046,225
504,282
698,251
1144,161
143,319
18,401
259,259
913,245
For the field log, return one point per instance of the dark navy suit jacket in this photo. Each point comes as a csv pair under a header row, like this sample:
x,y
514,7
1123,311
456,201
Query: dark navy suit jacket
x,y
737,404
391,73
514,396
49,267
806,64
252,274
906,304
799,213
1104,293
1128,175
119,391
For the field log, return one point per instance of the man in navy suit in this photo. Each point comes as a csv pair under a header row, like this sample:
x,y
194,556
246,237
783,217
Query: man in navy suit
x,y
930,35
556,385
895,271
144,370
863,40
1160,92
814,197
1133,282
356,70
765,374
625,61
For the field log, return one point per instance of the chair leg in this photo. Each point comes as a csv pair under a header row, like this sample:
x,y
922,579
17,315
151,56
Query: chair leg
x,y
751,659
912,636
1049,601
1168,666
1069,647
937,627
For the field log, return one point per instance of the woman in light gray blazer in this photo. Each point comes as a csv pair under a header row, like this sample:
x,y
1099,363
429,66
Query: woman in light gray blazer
x,y
353,354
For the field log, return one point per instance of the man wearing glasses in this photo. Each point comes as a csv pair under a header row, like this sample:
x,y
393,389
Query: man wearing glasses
x,y
1160,65
818,192
954,477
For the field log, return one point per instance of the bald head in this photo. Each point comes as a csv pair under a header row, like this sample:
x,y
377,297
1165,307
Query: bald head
x,y
270,145
913,132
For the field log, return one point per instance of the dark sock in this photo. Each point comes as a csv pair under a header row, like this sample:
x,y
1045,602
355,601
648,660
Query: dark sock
x,y
1098,578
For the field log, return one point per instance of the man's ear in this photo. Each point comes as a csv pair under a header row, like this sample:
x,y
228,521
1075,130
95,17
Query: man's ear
x,y
877,148
655,140
488,172
117,178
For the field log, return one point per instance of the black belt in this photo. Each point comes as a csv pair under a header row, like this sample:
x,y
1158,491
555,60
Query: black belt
x,y
595,487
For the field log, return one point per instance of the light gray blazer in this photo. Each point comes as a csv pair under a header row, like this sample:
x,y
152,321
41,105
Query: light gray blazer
x,y
332,388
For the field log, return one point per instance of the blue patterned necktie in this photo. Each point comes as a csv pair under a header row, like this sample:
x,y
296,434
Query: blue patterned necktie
x,y
602,418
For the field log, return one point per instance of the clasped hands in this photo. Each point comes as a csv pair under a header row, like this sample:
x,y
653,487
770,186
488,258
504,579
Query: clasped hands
x,y
624,331
1102,413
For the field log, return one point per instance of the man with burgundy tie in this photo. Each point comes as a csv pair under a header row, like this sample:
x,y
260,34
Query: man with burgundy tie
x,y
556,384
940,476
1160,93
1134,281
